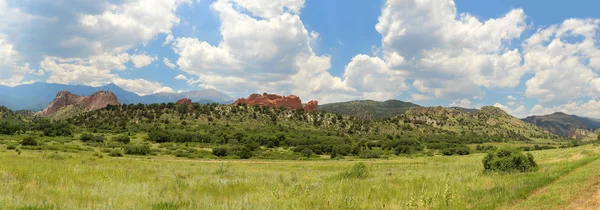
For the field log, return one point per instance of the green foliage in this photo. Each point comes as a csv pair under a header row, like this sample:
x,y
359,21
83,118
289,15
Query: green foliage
x,y
52,128
122,138
368,109
29,141
11,147
306,152
457,150
370,154
115,153
137,150
241,151
509,160
220,151
88,137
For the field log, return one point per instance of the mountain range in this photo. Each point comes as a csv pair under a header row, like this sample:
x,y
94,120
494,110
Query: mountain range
x,y
571,126
36,96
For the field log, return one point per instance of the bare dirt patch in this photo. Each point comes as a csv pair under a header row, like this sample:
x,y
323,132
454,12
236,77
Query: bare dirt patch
x,y
588,200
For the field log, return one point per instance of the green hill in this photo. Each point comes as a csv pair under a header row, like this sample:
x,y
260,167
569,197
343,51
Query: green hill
x,y
490,122
368,109
571,126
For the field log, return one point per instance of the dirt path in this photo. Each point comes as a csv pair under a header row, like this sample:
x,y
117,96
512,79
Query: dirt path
x,y
590,199
545,187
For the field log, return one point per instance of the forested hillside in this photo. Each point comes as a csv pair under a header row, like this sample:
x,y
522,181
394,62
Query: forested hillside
x,y
368,109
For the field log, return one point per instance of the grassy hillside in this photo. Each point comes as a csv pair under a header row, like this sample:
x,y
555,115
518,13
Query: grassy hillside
x,y
490,122
367,109
571,126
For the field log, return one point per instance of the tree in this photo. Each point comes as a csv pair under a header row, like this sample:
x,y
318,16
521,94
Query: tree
x,y
29,141
220,151
307,152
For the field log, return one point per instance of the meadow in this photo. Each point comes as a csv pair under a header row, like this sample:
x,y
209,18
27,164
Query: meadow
x,y
43,179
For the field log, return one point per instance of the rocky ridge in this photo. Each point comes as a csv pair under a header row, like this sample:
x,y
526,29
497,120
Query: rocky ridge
x,y
290,102
96,101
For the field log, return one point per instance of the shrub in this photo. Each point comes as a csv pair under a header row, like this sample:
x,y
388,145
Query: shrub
x,y
241,151
370,154
87,137
220,151
509,160
29,141
306,152
115,153
137,150
122,138
11,147
458,150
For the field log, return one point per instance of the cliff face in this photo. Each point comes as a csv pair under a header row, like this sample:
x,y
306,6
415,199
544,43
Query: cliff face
x,y
184,101
291,102
98,100
311,106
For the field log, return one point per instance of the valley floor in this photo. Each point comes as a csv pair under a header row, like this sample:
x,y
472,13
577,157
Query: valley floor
x,y
567,179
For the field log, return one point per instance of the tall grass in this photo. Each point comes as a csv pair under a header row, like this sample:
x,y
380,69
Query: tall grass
x,y
81,181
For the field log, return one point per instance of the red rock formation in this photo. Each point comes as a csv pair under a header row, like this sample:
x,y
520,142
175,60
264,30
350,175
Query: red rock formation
x,y
311,106
184,101
291,102
98,100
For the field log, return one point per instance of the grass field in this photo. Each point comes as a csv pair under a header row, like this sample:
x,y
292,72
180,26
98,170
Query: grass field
x,y
50,180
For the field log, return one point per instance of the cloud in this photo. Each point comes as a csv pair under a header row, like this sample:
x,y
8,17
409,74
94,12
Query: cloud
x,y
97,71
168,63
519,112
168,39
563,59
450,57
465,103
142,60
587,109
181,77
272,53
510,98
373,78
419,97
141,86
12,69
121,26
84,41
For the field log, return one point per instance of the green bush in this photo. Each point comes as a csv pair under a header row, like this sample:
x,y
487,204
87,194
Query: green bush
x,y
115,153
11,147
241,151
509,160
370,154
87,137
306,152
137,150
122,138
220,151
29,141
458,150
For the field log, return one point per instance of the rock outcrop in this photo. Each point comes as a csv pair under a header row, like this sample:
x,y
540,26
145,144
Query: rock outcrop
x,y
184,101
290,102
96,101
311,106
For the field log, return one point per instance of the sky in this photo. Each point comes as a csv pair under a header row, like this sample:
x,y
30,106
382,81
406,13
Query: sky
x,y
525,57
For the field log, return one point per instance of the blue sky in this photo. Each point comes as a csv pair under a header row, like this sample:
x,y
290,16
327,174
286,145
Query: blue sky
x,y
526,57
